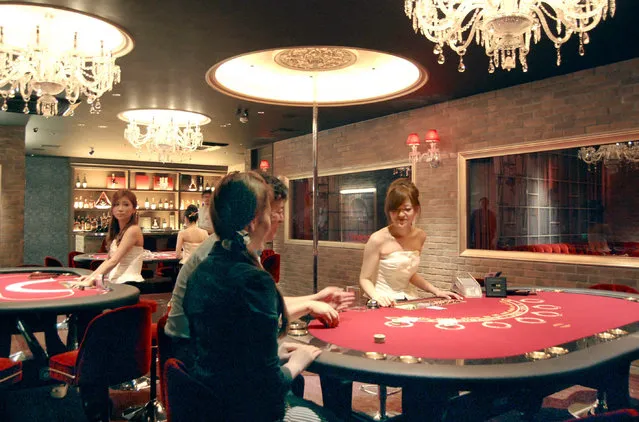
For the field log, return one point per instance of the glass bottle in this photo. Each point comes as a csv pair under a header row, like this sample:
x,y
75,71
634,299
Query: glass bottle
x,y
153,204
146,203
80,202
166,204
182,205
77,181
113,181
171,204
84,181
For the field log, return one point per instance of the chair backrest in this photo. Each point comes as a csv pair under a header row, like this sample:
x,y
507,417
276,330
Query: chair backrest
x,y
272,264
614,288
71,262
116,346
165,352
188,400
50,261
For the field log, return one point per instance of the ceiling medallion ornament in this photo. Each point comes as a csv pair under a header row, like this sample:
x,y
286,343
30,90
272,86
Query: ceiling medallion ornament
x,y
171,134
505,27
46,51
315,59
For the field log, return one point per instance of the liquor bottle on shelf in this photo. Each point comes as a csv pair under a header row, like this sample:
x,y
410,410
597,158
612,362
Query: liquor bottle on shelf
x,y
172,221
164,223
166,204
76,224
171,204
86,203
146,203
87,224
77,181
153,204
80,202
114,182
207,187
84,181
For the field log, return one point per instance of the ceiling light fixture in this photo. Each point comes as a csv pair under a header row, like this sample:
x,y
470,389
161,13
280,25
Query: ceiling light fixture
x,y
612,155
46,50
242,115
169,133
505,27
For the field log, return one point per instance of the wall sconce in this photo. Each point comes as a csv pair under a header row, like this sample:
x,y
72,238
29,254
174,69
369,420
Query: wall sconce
x,y
264,165
431,156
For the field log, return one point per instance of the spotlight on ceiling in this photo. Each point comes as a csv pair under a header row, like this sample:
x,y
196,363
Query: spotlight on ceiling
x,y
242,115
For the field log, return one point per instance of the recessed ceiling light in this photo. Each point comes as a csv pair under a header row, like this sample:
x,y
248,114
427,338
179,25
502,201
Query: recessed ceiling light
x,y
102,126
81,124
116,95
260,112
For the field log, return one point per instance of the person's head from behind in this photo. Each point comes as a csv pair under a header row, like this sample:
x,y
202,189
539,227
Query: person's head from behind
x,y
123,211
206,197
191,214
242,202
483,202
280,195
402,203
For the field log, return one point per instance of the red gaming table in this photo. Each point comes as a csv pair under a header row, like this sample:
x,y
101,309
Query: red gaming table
x,y
540,343
29,291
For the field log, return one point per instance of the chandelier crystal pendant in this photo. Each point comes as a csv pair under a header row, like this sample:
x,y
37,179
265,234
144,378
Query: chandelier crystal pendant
x,y
168,133
505,28
611,155
47,50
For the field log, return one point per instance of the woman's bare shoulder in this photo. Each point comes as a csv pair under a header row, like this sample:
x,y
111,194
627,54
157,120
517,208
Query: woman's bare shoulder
x,y
379,237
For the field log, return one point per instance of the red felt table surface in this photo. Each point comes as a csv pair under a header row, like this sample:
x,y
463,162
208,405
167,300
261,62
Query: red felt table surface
x,y
17,287
485,328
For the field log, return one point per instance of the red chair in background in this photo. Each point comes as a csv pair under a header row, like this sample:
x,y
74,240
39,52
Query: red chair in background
x,y
71,262
614,288
50,261
116,348
271,263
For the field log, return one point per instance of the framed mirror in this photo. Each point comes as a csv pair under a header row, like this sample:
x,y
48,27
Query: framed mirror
x,y
571,200
351,205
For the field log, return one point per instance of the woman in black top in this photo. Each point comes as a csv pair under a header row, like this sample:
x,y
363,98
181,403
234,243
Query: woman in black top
x,y
236,313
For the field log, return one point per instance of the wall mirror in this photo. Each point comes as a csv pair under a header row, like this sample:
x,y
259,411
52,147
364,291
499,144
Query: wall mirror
x,y
351,205
572,200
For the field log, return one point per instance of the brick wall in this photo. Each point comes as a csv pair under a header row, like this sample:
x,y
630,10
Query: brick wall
x,y
12,195
593,101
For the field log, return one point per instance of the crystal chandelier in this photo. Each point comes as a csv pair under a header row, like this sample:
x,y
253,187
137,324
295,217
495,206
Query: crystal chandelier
x,y
46,50
505,28
612,155
169,133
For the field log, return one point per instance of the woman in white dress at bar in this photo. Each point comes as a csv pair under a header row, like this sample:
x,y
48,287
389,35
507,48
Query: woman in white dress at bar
x,y
191,237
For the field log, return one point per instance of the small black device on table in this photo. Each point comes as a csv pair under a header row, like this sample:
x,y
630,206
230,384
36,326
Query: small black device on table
x,y
495,286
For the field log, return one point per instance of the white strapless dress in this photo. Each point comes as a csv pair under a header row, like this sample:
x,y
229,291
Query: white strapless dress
x,y
130,266
187,250
394,274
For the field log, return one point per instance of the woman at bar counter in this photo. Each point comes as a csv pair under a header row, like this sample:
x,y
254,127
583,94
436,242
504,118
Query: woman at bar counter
x,y
191,236
236,314
391,255
124,263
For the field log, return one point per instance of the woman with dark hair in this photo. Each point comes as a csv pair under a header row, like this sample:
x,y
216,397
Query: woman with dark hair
x,y
191,236
126,249
236,315
391,255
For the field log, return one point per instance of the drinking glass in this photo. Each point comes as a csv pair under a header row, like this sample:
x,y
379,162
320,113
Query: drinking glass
x,y
359,302
102,283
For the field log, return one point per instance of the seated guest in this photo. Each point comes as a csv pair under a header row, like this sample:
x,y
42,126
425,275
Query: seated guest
x,y
391,255
191,236
323,305
124,263
204,222
236,312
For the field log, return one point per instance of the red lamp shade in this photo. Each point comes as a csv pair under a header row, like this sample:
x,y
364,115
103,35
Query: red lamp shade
x,y
413,139
432,136
264,165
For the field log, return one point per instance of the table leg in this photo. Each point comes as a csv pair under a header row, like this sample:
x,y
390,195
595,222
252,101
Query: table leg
x,y
35,347
613,391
